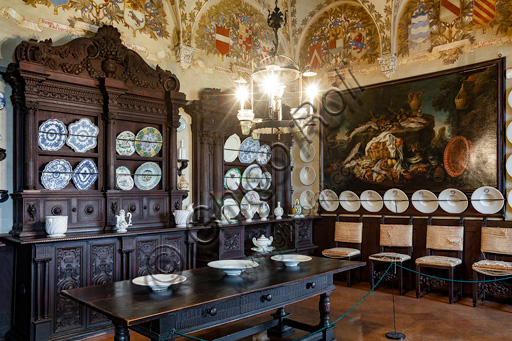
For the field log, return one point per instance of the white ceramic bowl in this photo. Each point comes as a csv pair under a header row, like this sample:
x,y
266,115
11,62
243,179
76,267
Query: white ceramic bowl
x,y
453,201
371,201
291,260
396,200
56,225
159,282
487,200
424,201
349,201
233,267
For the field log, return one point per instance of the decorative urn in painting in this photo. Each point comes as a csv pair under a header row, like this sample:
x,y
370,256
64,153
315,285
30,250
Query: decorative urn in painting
x,y
262,243
415,100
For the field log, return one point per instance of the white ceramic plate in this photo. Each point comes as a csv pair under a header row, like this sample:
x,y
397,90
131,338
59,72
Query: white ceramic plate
x,y
251,177
508,165
291,260
371,201
147,176
307,175
124,180
452,200
509,128
251,198
307,199
266,181
349,201
233,267
159,282
396,200
307,153
248,150
230,209
510,99
232,179
265,250
487,200
424,201
328,200
231,148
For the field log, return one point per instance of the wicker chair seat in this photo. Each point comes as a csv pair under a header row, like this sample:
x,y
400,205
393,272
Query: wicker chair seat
x,y
340,252
493,267
448,262
389,257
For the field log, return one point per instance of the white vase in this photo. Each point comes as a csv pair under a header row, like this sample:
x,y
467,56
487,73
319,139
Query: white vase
x,y
264,211
56,225
278,211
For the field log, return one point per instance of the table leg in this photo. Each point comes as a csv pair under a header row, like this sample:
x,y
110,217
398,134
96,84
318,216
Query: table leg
x,y
122,333
325,310
281,330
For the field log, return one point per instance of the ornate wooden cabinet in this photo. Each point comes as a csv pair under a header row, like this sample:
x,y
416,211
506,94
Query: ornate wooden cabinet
x,y
101,80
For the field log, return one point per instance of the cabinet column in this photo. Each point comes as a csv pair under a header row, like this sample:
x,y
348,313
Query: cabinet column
x,y
205,174
218,172
30,176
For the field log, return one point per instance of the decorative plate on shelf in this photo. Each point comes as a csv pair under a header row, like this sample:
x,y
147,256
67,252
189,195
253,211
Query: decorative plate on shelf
x,y
454,201
232,179
396,200
183,124
231,148
307,153
328,200
307,199
124,180
266,181
56,175
424,201
249,150
230,209
148,142
251,198
349,201
371,201
508,165
147,176
125,143
251,177
52,135
264,154
82,135
3,102
487,200
85,174
307,175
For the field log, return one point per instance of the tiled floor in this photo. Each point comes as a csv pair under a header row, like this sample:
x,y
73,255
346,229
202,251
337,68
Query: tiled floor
x,y
429,318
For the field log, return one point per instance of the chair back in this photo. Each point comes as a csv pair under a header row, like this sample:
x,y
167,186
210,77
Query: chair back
x,y
449,238
497,240
396,235
346,232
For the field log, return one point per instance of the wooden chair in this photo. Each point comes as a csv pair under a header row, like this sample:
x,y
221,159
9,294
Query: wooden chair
x,y
346,233
496,242
392,237
441,239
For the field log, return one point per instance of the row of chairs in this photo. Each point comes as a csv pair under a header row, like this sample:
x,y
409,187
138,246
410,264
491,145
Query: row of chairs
x,y
445,245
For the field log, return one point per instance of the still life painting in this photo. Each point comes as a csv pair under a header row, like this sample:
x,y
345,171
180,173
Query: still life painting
x,y
430,132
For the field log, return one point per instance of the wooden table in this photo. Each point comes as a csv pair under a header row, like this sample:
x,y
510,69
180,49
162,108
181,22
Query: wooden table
x,y
208,298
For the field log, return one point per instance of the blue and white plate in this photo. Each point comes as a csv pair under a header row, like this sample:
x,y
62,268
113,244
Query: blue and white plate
x,y
2,101
264,154
183,124
248,150
56,175
85,174
52,135
82,135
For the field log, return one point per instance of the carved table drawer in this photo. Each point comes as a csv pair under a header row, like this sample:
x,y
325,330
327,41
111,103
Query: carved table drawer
x,y
208,313
262,300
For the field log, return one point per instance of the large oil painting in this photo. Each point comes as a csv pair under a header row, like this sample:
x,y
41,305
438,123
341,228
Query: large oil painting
x,y
432,132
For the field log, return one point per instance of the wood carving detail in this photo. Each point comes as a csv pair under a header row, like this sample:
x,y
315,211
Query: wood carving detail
x,y
102,264
102,55
31,211
231,241
68,274
144,251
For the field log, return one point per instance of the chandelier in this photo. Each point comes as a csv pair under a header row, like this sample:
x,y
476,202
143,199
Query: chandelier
x,y
275,82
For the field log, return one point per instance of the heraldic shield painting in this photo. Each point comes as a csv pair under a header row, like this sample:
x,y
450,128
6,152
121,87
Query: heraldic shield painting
x,y
430,132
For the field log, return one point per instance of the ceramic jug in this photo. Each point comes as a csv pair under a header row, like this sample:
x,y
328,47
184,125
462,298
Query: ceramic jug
x,y
181,217
264,211
121,223
247,212
296,208
278,211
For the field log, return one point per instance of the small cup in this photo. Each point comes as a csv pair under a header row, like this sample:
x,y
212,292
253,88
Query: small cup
x,y
56,225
